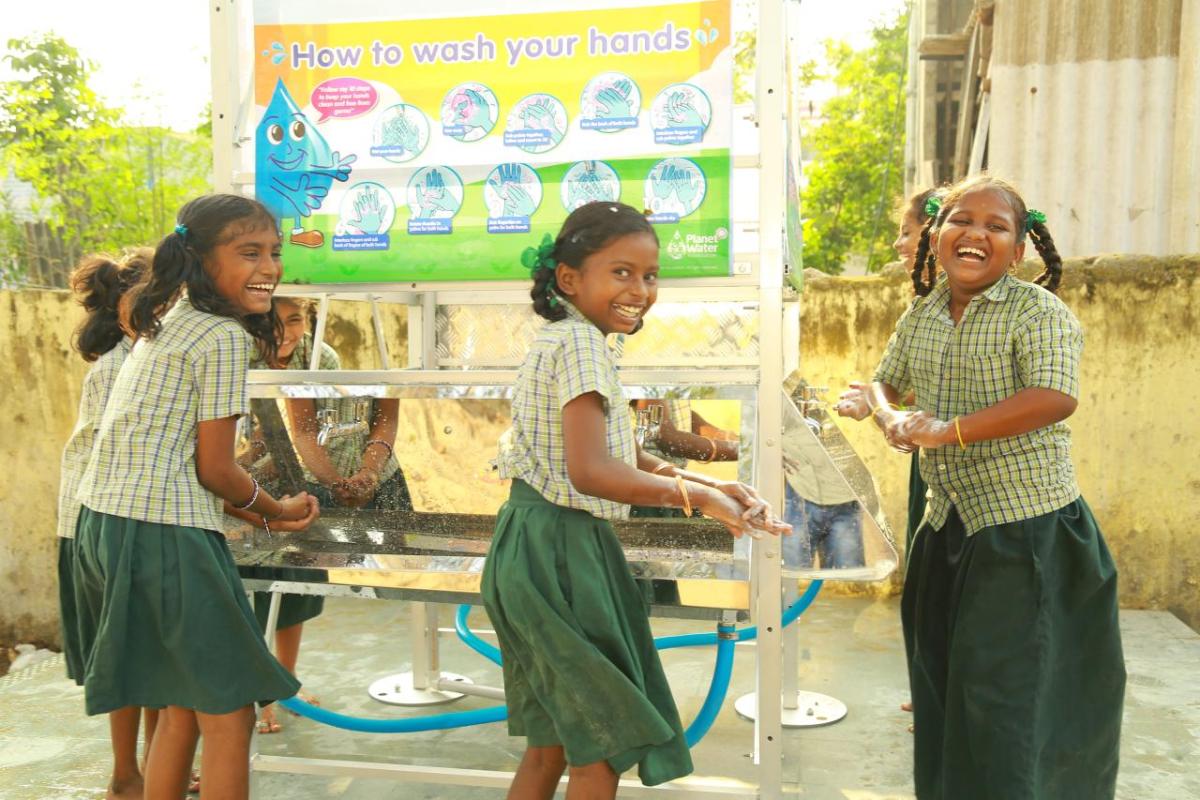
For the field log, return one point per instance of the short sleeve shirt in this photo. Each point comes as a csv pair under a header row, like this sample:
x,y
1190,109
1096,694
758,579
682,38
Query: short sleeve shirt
x,y
568,358
143,464
97,385
1014,336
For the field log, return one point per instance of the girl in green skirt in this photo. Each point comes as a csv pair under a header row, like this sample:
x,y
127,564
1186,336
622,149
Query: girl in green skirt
x,y
100,283
582,679
167,623
1010,599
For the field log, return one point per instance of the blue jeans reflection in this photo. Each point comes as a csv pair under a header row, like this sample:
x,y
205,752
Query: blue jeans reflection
x,y
833,532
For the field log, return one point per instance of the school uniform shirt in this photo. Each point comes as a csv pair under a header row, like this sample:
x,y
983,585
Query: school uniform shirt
x,y
143,464
568,358
96,387
1014,336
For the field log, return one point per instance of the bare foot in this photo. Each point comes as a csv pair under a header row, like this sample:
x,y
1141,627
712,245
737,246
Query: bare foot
x,y
906,707
126,790
267,722
311,699
194,783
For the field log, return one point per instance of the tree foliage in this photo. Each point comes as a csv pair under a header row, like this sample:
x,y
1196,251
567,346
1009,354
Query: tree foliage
x,y
101,185
856,176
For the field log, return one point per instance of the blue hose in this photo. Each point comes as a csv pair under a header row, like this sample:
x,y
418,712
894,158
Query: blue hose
x,y
717,689
437,722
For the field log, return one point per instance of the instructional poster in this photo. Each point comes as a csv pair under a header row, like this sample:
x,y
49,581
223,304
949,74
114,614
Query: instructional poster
x,y
438,149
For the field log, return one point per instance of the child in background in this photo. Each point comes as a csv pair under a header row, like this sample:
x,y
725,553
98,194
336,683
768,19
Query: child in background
x,y
353,471
99,282
853,403
174,629
582,679
1010,600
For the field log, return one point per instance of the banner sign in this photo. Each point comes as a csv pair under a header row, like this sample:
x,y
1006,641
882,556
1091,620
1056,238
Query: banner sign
x,y
438,149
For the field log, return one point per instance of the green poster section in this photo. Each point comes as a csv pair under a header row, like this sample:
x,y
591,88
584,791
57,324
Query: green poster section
x,y
699,245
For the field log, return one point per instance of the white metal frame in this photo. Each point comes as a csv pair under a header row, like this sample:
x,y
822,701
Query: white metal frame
x,y
757,277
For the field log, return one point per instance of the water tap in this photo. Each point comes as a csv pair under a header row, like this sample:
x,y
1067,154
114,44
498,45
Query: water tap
x,y
330,428
649,424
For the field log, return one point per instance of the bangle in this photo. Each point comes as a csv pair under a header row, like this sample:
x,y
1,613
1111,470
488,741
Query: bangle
x,y
253,497
266,527
958,432
687,502
713,455
370,442
665,465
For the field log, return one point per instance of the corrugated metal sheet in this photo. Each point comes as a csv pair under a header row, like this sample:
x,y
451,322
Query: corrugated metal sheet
x,y
1094,115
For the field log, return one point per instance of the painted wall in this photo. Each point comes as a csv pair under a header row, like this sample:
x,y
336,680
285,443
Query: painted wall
x,y
1137,440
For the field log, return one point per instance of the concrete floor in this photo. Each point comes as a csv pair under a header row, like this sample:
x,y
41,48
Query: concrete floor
x,y
850,648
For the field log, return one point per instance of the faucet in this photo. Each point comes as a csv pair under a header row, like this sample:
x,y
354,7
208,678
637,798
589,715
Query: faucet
x,y
330,428
649,424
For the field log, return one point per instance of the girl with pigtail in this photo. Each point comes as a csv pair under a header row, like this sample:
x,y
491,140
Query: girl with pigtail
x,y
165,621
1010,598
582,679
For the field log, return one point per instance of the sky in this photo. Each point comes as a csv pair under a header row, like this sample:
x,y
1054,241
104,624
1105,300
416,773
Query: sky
x,y
151,56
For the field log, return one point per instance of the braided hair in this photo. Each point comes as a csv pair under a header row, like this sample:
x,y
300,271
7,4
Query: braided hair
x,y
100,282
589,229
1028,222
922,207
204,223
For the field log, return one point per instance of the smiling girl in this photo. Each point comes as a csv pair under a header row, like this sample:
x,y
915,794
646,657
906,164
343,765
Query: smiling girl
x,y
582,679
1010,599
170,626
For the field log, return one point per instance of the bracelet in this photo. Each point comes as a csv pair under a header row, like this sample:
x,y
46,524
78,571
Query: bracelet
x,y
253,497
370,442
958,432
713,455
687,502
665,465
266,527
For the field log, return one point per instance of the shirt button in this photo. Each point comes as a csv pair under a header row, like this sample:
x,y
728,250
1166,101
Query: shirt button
x,y
954,495
941,467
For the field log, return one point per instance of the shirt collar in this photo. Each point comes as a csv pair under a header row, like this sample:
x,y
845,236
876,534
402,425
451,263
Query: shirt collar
x,y
939,298
573,312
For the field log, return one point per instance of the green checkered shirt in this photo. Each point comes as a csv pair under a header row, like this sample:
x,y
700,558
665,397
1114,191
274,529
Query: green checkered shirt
x,y
567,359
97,385
1013,336
143,464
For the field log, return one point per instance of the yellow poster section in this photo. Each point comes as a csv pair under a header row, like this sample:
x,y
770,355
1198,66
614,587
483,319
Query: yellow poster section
x,y
425,84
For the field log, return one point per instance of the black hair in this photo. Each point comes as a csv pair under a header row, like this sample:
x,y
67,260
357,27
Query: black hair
x,y
203,224
924,273
100,282
587,230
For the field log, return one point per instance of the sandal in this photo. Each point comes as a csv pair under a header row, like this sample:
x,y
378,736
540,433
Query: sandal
x,y
267,722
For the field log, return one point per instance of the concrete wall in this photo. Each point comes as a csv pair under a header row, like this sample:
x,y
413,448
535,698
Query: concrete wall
x,y
1137,439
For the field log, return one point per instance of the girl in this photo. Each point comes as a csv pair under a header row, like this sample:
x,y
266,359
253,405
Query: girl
x,y
1010,601
354,471
99,282
173,627
582,679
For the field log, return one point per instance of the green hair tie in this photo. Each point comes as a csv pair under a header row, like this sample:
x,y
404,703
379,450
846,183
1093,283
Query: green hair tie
x,y
933,205
1033,216
540,257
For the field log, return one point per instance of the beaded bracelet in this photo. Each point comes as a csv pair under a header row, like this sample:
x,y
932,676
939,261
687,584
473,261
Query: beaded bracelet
x,y
370,442
253,497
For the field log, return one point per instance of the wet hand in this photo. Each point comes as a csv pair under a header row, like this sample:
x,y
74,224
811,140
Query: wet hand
x,y
926,430
297,512
853,403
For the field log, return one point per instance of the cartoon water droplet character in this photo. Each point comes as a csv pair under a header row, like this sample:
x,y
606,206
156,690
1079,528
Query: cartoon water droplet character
x,y
294,166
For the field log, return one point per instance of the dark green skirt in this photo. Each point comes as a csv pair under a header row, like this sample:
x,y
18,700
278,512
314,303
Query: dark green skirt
x,y
580,667
67,614
916,501
165,622
294,609
1015,660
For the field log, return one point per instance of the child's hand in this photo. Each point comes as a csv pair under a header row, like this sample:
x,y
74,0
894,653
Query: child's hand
x,y
853,402
891,422
357,490
733,513
926,430
298,512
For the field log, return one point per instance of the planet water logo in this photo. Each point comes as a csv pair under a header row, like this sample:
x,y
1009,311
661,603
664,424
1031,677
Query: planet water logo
x,y
695,244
